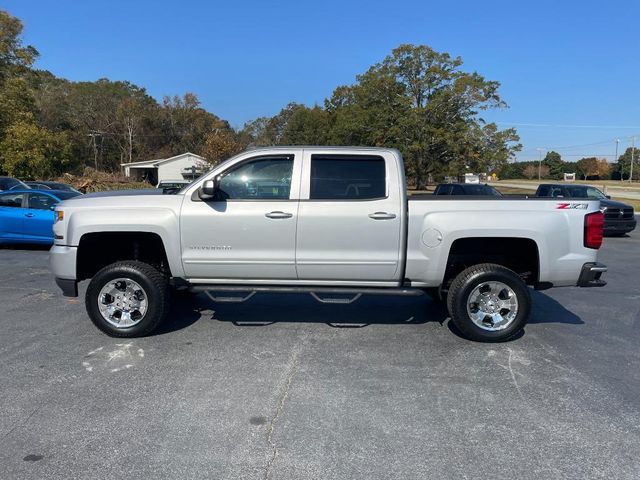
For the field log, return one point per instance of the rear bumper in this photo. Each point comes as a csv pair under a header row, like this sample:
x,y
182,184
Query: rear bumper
x,y
591,274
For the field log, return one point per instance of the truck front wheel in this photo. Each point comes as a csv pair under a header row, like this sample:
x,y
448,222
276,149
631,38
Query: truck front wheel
x,y
127,299
489,302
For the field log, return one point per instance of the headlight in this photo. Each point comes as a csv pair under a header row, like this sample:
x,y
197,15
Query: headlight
x,y
59,216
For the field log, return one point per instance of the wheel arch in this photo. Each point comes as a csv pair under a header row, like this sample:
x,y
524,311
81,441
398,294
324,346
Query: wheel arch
x,y
99,249
520,254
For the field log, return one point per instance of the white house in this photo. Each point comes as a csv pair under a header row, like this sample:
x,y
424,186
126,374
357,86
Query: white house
x,y
185,166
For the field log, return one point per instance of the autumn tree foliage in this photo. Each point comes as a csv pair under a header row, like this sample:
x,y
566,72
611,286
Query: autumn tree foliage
x,y
418,100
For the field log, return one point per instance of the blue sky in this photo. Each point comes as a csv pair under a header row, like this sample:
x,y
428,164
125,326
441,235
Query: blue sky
x,y
569,70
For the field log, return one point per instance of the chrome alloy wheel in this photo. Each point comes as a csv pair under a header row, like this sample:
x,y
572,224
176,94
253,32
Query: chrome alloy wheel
x,y
122,302
492,306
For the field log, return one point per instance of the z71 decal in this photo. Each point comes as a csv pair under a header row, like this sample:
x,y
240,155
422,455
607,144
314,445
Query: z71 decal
x,y
568,206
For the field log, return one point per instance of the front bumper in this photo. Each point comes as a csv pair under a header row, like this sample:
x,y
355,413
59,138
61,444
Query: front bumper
x,y
591,274
619,226
62,260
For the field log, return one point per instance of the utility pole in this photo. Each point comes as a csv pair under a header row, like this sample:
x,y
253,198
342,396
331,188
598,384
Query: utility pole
x,y
93,136
539,161
615,158
633,151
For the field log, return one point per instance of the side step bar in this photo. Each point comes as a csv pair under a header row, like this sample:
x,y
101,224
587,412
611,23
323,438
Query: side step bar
x,y
333,295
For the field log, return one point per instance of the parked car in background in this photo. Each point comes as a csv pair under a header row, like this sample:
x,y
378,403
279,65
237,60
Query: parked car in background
x,y
466,189
9,183
27,215
46,185
619,217
172,186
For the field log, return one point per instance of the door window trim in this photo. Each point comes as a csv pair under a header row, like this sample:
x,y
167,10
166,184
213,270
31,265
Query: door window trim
x,y
345,156
196,198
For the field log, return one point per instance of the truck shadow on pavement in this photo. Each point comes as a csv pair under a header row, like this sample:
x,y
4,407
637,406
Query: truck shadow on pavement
x,y
268,308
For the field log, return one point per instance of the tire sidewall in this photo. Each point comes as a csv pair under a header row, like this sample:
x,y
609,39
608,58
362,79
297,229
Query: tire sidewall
x,y
463,321
155,299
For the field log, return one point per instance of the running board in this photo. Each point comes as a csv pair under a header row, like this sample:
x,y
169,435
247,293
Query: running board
x,y
326,295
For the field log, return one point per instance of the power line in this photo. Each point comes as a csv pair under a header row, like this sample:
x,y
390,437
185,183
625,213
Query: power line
x,y
552,125
571,147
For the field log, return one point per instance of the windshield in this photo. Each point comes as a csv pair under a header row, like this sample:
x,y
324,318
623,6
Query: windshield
x,y
11,184
482,190
66,195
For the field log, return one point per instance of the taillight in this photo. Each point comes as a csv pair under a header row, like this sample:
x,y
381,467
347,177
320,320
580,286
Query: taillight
x,y
593,229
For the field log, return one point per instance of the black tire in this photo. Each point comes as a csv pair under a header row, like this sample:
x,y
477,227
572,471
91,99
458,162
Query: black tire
x,y
157,295
464,284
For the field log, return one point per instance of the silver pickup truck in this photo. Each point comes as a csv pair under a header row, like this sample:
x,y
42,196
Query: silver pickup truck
x,y
335,222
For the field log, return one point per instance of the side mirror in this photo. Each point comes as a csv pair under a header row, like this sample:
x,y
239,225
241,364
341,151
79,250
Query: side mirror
x,y
608,197
209,188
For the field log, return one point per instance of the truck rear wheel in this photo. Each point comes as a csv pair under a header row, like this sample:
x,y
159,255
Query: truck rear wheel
x,y
127,299
489,302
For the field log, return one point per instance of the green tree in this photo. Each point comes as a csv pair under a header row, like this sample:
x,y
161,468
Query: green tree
x,y
420,101
16,99
32,152
623,166
556,166
15,58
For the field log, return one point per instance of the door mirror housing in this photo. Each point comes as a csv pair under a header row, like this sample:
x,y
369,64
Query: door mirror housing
x,y
209,188
608,197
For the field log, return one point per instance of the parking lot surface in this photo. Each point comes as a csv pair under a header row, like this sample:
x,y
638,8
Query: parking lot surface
x,y
282,387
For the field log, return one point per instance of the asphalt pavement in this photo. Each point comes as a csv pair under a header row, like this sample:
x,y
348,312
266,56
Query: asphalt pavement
x,y
282,387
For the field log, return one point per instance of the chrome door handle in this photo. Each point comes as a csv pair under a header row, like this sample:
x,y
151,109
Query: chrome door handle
x,y
382,216
278,214
29,215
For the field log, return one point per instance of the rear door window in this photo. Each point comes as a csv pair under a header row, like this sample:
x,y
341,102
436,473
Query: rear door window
x,y
347,177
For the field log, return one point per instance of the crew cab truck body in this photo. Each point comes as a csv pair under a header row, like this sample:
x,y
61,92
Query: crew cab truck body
x,y
323,220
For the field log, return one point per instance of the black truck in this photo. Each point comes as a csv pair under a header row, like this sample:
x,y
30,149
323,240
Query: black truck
x,y
619,217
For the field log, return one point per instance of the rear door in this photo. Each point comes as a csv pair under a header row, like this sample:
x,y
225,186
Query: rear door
x,y
12,215
38,224
350,217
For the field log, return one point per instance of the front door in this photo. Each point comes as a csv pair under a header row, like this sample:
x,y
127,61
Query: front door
x,y
350,219
12,215
38,223
248,231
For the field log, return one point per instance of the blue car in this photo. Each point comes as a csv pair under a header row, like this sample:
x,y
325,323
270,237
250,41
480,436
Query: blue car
x,y
26,216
